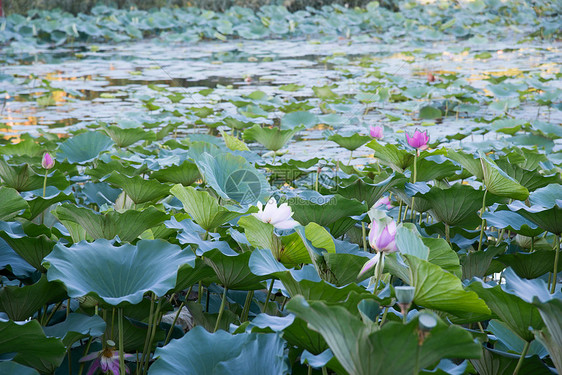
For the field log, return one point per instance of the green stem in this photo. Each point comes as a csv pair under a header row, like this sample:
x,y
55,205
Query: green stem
x,y
384,314
52,313
309,370
120,327
483,225
400,212
268,296
44,192
447,233
247,305
273,161
555,271
405,213
316,183
350,157
364,233
324,370
379,268
415,179
221,309
169,335
149,328
81,368
522,357
155,323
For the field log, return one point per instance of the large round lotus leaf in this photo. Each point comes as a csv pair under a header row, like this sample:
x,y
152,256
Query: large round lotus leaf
x,y
549,219
117,274
203,353
499,183
12,203
233,271
389,154
367,192
271,138
84,147
468,161
513,222
33,348
294,119
457,205
350,143
532,180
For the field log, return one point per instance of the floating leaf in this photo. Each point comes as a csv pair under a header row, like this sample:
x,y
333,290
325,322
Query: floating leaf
x,y
84,147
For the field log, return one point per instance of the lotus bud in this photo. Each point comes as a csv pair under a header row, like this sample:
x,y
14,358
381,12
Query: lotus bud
x,y
376,132
48,162
382,236
418,140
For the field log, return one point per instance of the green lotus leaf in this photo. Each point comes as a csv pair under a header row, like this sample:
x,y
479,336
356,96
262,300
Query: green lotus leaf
x,y
352,142
203,208
456,205
344,268
126,136
441,254
409,241
390,350
38,204
31,242
203,353
190,275
232,177
295,119
186,174
495,362
291,170
84,147
517,314
14,368
271,138
23,178
435,167
234,143
499,183
430,113
513,222
261,235
468,161
21,303
513,342
233,271
117,274
33,348
294,330
369,193
76,327
532,180
391,155
548,196
477,264
334,212
549,219
128,225
551,335
102,169
438,289
12,203
139,189
13,263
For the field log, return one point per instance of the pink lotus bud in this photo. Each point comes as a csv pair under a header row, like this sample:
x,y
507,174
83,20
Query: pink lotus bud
x,y
48,162
376,132
382,236
419,140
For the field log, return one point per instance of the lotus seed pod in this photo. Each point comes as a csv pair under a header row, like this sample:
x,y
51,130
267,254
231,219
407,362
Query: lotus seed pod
x,y
404,294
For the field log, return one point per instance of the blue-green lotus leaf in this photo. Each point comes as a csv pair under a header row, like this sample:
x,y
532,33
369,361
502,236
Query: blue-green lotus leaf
x,y
14,368
352,142
549,219
513,222
33,348
117,274
12,203
499,183
84,147
75,327
203,353
12,262
294,119
139,189
31,242
232,177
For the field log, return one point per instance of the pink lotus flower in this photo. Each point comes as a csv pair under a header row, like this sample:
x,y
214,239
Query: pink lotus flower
x,y
419,140
384,201
382,236
107,360
279,217
376,132
48,162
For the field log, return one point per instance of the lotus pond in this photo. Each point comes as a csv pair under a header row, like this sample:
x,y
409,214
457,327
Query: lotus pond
x,y
331,191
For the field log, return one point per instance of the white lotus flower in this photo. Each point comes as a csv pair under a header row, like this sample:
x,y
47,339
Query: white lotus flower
x,y
279,217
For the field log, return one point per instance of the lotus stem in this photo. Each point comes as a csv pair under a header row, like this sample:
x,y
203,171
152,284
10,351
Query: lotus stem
x,y
483,225
384,314
221,309
52,313
379,268
169,335
364,235
309,370
44,192
414,181
522,357
120,327
247,305
268,296
405,213
350,157
317,179
417,367
555,271
81,368
447,234
148,330
400,212
324,370
152,333
273,161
